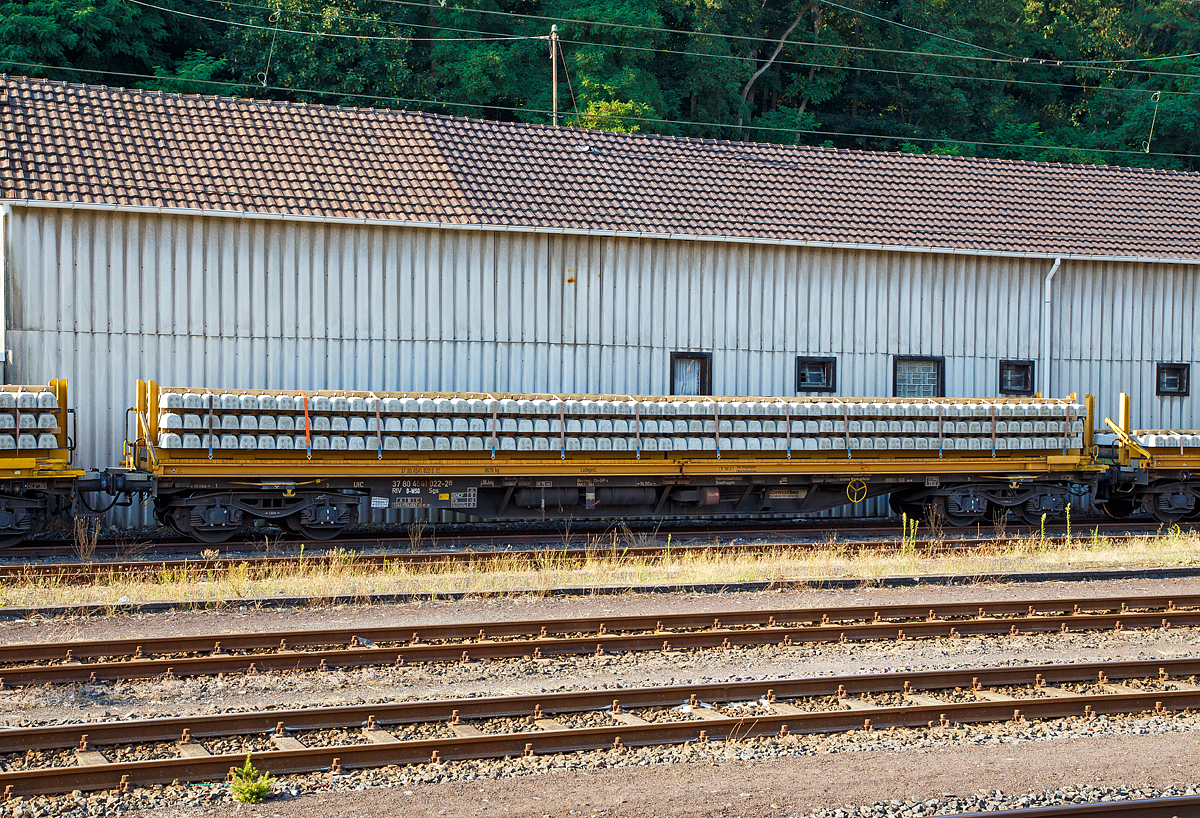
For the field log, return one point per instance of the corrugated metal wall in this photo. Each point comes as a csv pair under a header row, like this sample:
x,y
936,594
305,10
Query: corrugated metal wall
x,y
104,298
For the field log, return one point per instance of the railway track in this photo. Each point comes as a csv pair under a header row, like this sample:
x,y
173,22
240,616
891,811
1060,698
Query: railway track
x,y
77,573
403,733
259,565
868,532
96,661
1185,807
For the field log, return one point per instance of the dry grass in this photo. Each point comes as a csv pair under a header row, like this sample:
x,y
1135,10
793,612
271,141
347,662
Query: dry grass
x,y
605,564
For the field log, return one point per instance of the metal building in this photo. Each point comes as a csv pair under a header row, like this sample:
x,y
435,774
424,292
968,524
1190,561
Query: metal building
x,y
237,243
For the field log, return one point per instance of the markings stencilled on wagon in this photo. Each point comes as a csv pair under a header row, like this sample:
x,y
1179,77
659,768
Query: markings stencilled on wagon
x,y
464,499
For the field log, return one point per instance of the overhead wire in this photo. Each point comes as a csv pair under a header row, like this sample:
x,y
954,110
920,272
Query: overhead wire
x,y
367,20
898,24
892,71
498,37
1008,60
495,36
320,33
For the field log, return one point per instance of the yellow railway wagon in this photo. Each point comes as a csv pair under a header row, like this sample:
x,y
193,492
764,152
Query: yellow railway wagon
x,y
214,460
36,476
1152,470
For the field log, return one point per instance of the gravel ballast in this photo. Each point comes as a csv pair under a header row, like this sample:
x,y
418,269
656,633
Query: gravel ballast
x,y
909,772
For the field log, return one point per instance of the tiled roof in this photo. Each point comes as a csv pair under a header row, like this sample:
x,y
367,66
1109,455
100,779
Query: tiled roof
x,y
83,143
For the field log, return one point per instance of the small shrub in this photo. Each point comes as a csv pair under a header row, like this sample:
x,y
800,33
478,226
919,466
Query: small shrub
x,y
87,532
249,785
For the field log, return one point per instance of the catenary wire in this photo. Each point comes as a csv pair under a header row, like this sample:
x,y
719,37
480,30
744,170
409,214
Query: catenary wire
x,y
324,33
366,20
1067,149
1016,61
893,71
860,13
496,36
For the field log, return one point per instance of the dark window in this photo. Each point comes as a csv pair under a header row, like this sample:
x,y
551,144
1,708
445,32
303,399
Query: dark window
x,y
1016,377
914,377
1172,379
816,374
691,373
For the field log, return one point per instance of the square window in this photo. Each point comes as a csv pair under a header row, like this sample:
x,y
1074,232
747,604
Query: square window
x,y
816,374
1016,377
1172,380
691,373
918,377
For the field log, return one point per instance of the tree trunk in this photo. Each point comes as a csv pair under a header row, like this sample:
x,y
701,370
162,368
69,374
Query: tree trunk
x,y
771,60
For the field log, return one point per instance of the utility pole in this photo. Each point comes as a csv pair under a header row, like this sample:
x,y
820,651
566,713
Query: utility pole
x,y
554,74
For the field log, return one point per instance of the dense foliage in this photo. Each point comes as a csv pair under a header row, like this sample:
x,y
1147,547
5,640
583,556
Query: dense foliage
x,y
1057,80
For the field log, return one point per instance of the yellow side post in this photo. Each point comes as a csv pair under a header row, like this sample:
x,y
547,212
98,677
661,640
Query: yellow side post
x,y
1089,426
152,412
1125,413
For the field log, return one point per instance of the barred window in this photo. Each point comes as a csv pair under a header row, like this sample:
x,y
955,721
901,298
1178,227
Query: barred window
x,y
1171,380
816,374
1016,377
918,377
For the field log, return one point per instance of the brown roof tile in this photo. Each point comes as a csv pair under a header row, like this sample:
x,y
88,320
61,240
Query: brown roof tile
x,y
95,144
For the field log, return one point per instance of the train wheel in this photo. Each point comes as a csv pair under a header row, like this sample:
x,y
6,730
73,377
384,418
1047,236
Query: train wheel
x,y
1167,507
19,524
914,510
212,523
1119,509
954,518
311,532
1166,517
10,538
209,534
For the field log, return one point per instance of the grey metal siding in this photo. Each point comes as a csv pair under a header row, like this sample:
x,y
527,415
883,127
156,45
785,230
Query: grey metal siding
x,y
104,298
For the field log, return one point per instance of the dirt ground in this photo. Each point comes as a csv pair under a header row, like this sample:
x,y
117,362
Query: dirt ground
x,y
785,787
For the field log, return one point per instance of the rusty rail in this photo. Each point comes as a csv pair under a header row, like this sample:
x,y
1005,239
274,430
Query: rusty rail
x,y
78,573
93,661
1181,807
921,708
477,547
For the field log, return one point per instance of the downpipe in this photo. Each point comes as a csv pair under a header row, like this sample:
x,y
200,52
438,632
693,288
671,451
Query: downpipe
x,y
1046,346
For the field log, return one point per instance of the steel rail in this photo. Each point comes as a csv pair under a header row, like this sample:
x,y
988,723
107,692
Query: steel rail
x,y
546,735
356,647
1179,807
74,573
872,532
59,736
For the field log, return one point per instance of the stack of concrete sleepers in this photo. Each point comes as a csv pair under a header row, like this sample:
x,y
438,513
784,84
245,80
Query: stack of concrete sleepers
x,y
28,419
373,422
1167,439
